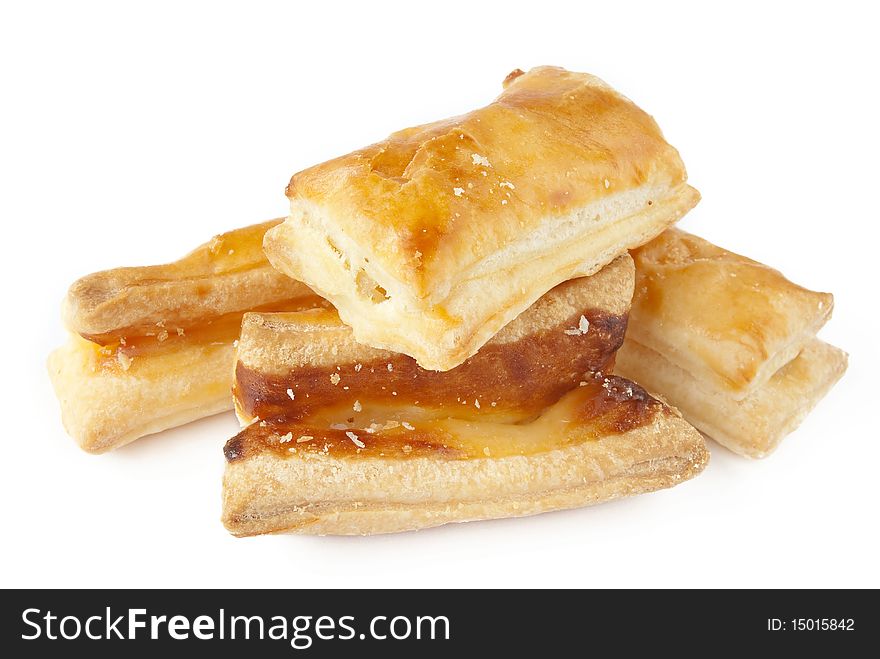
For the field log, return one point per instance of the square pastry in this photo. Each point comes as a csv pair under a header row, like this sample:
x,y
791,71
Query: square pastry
x,y
433,239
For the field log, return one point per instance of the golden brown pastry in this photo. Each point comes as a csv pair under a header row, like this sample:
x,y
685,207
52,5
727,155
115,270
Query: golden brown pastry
x,y
728,320
728,341
754,425
416,469
290,365
343,438
152,347
432,240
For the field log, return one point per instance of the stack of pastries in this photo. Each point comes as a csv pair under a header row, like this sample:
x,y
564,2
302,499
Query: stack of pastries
x,y
454,324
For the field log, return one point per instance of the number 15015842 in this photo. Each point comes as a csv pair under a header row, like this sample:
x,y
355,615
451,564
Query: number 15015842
x,y
811,624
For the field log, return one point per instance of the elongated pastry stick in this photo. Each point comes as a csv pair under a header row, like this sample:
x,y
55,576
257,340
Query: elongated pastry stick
x,y
348,439
432,240
152,347
728,341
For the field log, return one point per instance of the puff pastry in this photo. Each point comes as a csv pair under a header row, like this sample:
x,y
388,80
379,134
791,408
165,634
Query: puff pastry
x,y
601,441
343,438
152,347
293,365
728,341
754,425
729,321
432,240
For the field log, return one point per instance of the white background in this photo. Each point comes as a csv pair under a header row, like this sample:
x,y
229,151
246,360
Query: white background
x,y
131,132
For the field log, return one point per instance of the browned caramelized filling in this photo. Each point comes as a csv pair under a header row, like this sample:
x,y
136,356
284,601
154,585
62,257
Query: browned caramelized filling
x,y
510,381
135,341
602,406
231,252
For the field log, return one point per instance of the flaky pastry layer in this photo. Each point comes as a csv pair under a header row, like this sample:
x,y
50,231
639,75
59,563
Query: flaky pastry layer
x,y
228,274
431,241
602,441
105,405
729,321
152,347
755,425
